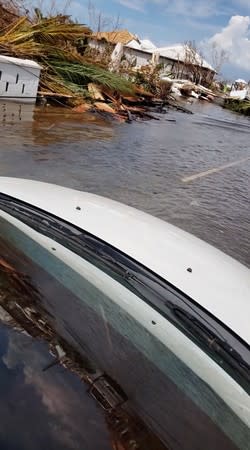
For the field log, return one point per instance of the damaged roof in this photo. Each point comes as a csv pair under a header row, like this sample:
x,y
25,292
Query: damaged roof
x,y
184,53
114,37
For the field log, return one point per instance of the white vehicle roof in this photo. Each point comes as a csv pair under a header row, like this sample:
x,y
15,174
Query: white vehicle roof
x,y
217,282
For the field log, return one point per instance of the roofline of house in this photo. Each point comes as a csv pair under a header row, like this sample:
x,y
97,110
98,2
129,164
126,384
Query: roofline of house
x,y
168,57
210,69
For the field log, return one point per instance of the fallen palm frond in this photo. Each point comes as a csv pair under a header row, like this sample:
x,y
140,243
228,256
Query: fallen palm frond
x,y
48,38
46,34
14,26
82,74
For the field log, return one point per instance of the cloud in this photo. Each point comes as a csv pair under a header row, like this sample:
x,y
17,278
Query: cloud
x,y
192,8
137,5
54,404
189,8
199,8
234,39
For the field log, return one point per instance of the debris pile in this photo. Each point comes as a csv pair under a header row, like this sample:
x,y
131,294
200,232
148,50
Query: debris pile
x,y
56,43
142,105
70,75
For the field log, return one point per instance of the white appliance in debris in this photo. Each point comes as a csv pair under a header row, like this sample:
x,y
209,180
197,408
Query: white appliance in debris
x,y
19,79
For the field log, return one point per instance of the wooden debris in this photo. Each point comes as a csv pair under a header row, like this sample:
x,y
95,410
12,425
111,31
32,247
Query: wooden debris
x,y
53,94
104,107
95,91
136,109
139,90
84,107
130,99
186,90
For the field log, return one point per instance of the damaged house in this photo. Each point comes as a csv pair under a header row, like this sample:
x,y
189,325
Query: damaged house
x,y
180,61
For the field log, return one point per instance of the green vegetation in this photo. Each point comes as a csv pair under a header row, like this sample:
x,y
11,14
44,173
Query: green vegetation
x,y
77,74
240,106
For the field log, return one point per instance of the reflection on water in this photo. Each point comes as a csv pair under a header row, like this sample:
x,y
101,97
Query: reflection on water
x,y
44,409
47,126
45,389
50,127
39,409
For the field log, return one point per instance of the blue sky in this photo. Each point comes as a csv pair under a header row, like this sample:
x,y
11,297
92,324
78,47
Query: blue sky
x,y
171,21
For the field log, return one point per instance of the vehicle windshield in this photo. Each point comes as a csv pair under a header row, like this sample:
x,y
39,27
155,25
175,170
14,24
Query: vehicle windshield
x,y
50,299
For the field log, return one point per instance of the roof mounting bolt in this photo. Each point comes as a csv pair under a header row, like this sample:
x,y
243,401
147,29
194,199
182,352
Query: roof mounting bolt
x,y
190,270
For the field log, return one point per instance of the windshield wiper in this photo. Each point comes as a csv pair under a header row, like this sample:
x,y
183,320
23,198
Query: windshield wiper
x,y
215,344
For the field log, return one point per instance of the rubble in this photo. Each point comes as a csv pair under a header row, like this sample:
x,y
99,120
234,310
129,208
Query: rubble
x,y
105,86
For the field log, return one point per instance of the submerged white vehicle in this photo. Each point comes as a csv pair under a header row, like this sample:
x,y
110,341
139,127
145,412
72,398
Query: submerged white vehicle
x,y
164,314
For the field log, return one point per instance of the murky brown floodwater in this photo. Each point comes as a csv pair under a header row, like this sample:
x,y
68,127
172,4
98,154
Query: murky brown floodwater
x,y
139,164
143,165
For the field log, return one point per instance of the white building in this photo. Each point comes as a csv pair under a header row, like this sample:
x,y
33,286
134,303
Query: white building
x,y
179,60
19,79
